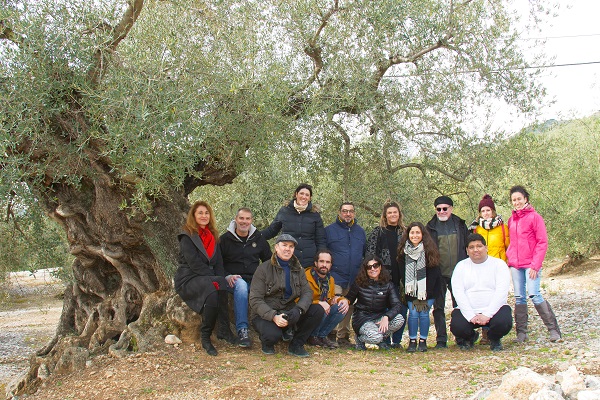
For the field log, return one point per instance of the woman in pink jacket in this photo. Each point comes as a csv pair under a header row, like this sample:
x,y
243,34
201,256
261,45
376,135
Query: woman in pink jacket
x,y
525,253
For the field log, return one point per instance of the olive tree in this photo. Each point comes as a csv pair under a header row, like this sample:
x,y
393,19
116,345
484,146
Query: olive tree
x,y
114,112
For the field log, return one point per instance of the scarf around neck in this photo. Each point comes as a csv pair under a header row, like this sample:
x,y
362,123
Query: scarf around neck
x,y
323,284
486,224
208,240
299,208
415,284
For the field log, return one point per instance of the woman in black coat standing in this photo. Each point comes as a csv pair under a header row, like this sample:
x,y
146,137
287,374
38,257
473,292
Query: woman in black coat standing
x,y
421,278
200,278
376,313
301,219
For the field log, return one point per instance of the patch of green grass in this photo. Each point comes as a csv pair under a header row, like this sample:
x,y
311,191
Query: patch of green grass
x,y
286,378
148,390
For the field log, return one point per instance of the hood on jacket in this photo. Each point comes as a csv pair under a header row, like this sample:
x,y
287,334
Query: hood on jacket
x,y
231,229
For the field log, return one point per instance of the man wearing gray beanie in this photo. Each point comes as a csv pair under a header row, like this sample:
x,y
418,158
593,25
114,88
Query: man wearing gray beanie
x,y
449,232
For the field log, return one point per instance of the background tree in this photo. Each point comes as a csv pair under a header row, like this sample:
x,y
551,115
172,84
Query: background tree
x,y
114,112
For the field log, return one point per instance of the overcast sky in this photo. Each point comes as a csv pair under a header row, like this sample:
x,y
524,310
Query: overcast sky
x,y
573,37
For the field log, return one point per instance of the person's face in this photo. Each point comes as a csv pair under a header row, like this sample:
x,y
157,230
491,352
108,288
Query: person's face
x,y
392,216
202,216
323,264
487,212
243,221
303,197
443,211
415,235
477,252
518,200
347,213
284,250
373,269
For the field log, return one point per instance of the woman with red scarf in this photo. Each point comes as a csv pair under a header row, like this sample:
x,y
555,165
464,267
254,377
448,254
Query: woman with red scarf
x,y
200,278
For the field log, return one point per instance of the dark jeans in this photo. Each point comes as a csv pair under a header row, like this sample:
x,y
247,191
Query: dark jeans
x,y
270,333
439,313
499,325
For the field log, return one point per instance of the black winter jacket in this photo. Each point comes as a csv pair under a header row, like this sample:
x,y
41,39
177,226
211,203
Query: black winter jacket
x,y
243,257
460,227
197,272
306,227
372,302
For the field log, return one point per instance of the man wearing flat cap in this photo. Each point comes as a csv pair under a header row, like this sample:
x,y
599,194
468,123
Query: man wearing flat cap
x,y
449,232
276,285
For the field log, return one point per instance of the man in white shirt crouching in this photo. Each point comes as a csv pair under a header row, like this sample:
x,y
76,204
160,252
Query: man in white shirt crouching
x,y
480,286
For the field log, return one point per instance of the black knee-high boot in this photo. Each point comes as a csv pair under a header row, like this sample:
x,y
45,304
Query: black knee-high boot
x,y
223,328
209,319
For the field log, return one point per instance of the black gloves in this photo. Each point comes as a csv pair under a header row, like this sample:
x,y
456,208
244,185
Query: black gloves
x,y
293,316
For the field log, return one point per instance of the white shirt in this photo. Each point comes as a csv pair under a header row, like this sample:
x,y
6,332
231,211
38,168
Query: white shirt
x,y
480,288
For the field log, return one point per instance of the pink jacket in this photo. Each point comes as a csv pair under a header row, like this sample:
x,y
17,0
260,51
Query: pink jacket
x,y
528,239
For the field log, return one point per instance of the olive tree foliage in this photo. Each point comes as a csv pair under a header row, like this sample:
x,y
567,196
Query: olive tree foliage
x,y
114,112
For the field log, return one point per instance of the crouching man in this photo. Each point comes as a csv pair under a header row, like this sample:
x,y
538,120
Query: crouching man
x,y
480,285
323,287
276,286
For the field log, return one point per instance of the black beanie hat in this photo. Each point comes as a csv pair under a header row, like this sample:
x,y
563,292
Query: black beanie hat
x,y
443,200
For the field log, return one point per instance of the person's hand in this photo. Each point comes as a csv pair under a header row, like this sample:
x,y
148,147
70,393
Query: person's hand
x,y
231,279
280,321
293,316
383,324
325,306
343,306
533,274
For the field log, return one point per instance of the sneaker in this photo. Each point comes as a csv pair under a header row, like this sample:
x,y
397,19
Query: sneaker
x,y
315,341
288,334
441,345
496,345
474,339
330,344
422,345
268,349
396,346
297,351
244,338
412,346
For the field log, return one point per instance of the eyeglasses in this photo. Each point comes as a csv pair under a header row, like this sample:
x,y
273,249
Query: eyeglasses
x,y
373,266
442,209
348,211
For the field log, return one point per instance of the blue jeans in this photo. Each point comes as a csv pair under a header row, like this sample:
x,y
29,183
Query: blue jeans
x,y
418,320
525,286
329,322
240,303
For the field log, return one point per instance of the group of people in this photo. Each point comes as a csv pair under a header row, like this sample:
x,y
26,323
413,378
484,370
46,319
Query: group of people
x,y
319,281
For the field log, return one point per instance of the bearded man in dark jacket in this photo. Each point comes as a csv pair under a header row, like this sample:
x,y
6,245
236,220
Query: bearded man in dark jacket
x,y
449,233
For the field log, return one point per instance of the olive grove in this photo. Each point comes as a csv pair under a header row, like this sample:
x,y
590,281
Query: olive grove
x,y
114,112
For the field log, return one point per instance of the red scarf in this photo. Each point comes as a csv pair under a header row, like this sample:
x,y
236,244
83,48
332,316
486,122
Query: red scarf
x,y
208,240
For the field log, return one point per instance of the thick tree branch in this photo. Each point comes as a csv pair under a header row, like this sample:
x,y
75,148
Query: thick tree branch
x,y
340,129
313,50
119,33
423,168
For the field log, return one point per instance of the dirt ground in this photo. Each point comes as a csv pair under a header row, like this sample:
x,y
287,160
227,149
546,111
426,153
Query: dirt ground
x,y
186,372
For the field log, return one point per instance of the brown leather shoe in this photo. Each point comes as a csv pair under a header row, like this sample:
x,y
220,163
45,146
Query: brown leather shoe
x,y
344,343
330,344
315,341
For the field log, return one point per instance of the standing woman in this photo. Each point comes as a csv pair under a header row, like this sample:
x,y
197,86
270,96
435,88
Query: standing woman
x,y
491,226
419,260
383,243
526,252
301,219
200,278
377,309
